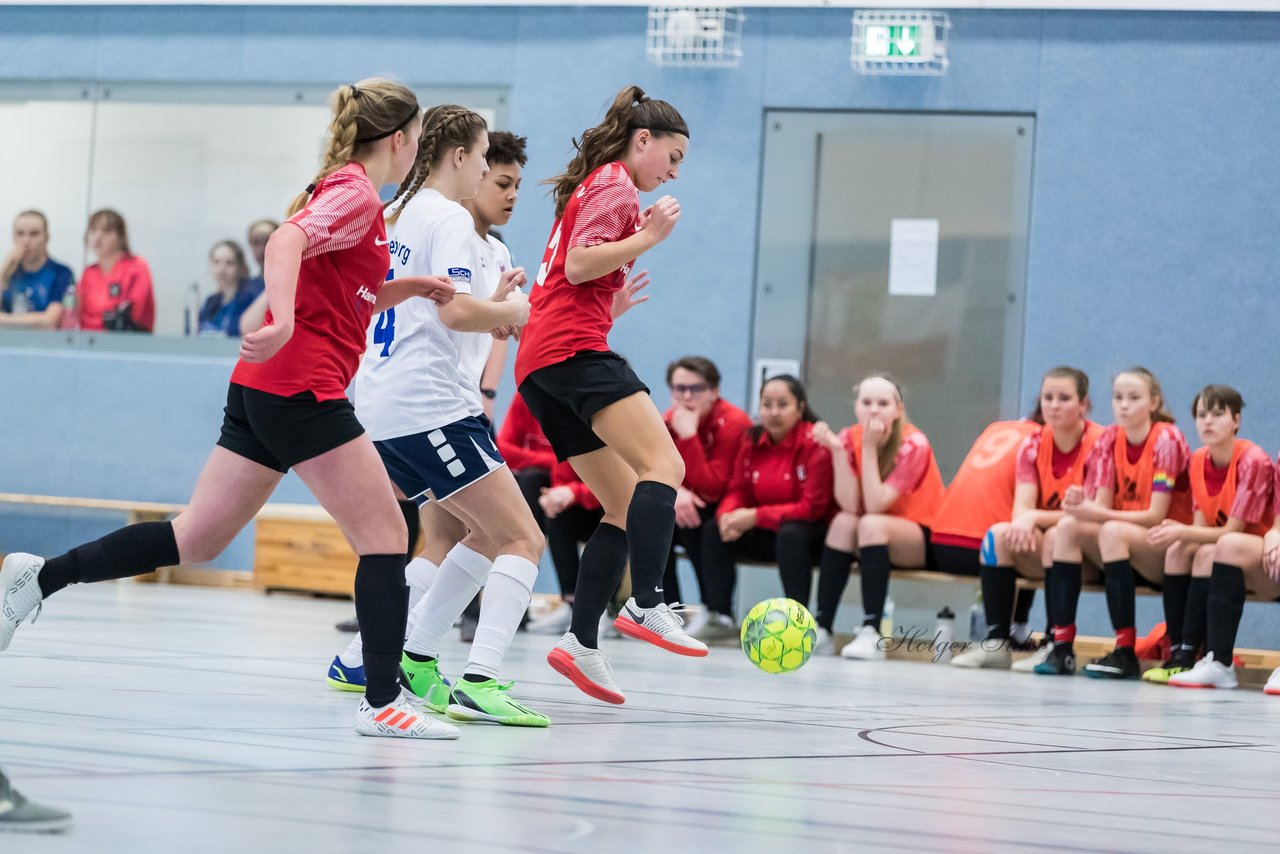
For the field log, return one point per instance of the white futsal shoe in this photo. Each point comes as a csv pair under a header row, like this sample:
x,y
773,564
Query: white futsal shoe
x,y
989,653
1028,664
586,668
660,626
865,646
1207,673
19,593
400,719
1273,684
554,622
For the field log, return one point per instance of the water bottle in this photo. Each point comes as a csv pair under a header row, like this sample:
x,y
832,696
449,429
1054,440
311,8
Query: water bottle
x,y
944,634
19,303
70,320
977,621
886,618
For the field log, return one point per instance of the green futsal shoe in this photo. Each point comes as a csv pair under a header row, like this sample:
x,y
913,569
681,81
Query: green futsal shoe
x,y
487,701
423,679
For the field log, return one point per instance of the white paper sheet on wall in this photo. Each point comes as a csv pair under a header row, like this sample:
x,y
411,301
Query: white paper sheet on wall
x,y
913,257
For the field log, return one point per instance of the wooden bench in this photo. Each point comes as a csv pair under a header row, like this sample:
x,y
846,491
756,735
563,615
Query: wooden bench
x,y
299,548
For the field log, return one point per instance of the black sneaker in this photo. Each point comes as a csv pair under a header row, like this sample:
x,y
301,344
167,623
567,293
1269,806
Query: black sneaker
x,y
1061,662
1120,663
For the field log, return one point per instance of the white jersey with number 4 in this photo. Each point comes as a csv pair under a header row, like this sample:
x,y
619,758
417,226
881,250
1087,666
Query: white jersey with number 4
x,y
411,377
495,259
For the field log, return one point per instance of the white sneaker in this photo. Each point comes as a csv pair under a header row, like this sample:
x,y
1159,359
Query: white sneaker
x,y
824,644
865,646
586,668
988,653
554,622
717,628
697,621
19,593
400,719
660,626
1208,673
1273,684
1028,664
607,629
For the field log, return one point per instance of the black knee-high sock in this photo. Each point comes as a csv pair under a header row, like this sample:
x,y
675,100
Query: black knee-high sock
x,y
999,586
1120,594
875,583
604,560
1022,602
1048,603
1226,605
135,550
833,576
1174,594
1196,621
651,519
382,605
412,521
1067,581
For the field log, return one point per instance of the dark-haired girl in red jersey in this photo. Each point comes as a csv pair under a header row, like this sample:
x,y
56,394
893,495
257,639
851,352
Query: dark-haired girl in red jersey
x,y
287,406
1231,493
1049,461
595,411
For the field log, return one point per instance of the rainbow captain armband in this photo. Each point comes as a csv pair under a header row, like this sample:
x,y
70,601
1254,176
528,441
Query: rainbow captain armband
x,y
1162,482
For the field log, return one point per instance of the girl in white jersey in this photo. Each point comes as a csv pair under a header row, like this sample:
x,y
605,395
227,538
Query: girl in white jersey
x,y
418,393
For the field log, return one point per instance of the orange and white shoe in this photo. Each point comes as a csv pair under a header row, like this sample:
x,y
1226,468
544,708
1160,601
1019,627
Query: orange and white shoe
x,y
1273,684
400,720
586,668
660,626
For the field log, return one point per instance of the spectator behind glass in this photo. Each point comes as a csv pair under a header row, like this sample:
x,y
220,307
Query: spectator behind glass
x,y
259,233
34,284
708,432
220,314
115,294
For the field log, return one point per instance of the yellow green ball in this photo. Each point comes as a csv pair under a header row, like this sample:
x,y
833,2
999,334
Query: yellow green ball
x,y
778,635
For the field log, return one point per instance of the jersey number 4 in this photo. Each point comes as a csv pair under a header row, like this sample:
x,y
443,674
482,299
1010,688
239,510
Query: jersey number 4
x,y
385,330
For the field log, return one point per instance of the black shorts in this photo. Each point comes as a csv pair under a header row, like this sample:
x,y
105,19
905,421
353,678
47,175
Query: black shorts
x,y
956,560
565,396
280,432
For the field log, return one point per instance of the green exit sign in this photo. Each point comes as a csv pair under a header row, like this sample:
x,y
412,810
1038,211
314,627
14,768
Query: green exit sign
x,y
894,42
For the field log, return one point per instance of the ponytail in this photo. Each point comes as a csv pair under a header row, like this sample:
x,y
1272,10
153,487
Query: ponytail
x,y
1162,413
363,113
631,110
444,128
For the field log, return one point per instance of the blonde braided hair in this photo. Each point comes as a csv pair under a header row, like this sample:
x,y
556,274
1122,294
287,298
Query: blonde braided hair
x,y
444,128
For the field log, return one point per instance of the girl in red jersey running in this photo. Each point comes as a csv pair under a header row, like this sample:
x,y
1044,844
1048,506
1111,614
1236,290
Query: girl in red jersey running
x,y
595,411
287,406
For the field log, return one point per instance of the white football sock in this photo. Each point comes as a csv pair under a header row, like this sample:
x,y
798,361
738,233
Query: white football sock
x,y
419,575
506,596
461,576
353,655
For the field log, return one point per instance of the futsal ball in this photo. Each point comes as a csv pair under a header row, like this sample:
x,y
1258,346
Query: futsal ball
x,y
778,635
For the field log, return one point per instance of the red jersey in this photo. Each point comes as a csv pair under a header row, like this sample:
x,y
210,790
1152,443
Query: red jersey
x,y
1052,471
564,475
1241,490
1136,472
521,440
981,493
915,474
566,319
98,293
344,265
786,481
709,454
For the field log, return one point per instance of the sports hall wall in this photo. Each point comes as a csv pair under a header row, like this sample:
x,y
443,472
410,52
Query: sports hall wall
x,y
1154,204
